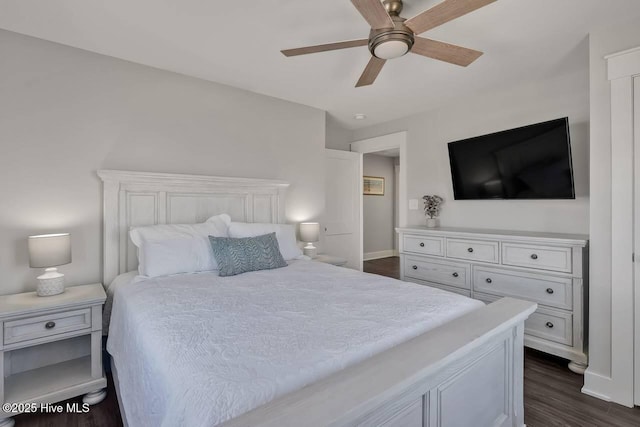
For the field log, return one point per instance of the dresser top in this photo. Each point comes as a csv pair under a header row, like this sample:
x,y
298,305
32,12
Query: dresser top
x,y
29,302
570,239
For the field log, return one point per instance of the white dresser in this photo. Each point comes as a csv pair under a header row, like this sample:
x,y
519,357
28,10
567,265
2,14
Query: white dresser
x,y
547,268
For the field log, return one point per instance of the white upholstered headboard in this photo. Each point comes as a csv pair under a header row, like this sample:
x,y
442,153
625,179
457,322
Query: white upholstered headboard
x,y
141,198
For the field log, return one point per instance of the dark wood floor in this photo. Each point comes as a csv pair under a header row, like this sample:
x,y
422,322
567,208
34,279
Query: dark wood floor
x,y
552,397
385,267
104,414
552,394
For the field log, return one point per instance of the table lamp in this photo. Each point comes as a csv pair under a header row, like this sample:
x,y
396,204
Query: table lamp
x,y
310,233
49,251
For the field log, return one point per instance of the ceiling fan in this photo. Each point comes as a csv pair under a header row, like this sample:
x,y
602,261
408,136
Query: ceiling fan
x,y
392,36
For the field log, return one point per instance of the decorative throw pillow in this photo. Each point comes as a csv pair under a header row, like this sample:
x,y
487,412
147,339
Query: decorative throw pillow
x,y
241,255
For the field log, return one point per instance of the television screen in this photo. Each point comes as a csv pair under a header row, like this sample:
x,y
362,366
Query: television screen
x,y
531,162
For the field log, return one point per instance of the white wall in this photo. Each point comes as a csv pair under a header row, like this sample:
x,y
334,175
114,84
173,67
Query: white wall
x,y
378,211
65,113
602,42
428,162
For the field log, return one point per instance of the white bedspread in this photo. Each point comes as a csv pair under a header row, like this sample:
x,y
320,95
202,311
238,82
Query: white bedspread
x,y
198,349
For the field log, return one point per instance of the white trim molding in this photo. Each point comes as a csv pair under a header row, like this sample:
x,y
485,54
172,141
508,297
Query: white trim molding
x,y
623,64
386,142
622,67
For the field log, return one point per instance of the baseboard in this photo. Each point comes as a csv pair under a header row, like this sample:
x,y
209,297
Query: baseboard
x,y
596,385
597,395
604,388
380,254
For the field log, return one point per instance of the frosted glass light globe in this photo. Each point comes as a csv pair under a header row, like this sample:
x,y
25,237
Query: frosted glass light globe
x,y
391,49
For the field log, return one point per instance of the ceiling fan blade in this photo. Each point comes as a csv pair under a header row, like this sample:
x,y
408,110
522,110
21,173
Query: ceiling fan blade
x,y
443,12
324,47
371,71
374,12
446,52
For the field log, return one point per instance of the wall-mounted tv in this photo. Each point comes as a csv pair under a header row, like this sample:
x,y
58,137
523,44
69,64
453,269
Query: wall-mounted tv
x,y
530,162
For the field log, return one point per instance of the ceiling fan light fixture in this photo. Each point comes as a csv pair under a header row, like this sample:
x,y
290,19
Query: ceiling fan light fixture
x,y
391,49
391,43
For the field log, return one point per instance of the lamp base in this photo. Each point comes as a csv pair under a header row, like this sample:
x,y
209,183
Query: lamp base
x,y
50,283
310,250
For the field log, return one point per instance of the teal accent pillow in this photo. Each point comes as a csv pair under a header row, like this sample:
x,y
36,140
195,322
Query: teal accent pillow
x,y
241,255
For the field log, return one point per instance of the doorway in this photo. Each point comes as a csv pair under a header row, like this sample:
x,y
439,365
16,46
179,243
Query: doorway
x,y
383,201
379,204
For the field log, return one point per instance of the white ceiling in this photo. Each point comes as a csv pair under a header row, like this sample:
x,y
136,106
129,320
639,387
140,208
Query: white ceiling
x,y
238,42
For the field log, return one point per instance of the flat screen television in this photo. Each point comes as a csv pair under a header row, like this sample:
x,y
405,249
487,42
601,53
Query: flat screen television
x,y
530,162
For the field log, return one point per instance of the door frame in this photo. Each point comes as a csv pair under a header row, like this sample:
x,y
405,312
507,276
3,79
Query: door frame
x,y
636,236
382,143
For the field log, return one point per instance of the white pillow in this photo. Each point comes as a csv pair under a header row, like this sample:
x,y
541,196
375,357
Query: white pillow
x,y
178,248
285,233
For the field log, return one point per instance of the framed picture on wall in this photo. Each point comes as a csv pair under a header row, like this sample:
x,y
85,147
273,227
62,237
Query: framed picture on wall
x,y
373,186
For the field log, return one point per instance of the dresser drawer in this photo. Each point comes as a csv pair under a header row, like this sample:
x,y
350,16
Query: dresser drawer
x,y
550,325
453,289
537,256
543,289
473,250
443,272
43,326
424,245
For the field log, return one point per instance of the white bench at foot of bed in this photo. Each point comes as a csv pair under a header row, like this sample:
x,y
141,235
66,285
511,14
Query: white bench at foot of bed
x,y
468,372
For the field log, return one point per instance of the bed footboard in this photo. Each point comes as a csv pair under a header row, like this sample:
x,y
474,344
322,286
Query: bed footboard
x,y
468,372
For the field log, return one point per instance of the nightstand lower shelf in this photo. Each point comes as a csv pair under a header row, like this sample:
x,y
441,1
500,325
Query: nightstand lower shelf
x,y
65,380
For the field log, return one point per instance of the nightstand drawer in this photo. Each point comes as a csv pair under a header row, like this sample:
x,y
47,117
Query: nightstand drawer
x,y
43,326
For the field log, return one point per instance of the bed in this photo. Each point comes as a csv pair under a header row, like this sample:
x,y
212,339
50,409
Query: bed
x,y
308,344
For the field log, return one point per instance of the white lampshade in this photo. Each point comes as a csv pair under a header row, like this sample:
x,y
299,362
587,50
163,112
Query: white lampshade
x,y
309,232
49,250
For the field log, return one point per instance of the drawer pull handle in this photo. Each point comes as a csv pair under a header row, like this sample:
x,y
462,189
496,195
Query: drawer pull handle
x,y
422,244
455,274
549,325
470,250
549,290
50,325
415,267
534,256
488,280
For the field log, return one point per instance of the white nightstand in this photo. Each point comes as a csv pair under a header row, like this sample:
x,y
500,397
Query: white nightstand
x,y
329,259
51,349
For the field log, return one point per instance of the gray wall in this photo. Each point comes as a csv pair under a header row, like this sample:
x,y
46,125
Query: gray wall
x,y
65,113
378,211
428,168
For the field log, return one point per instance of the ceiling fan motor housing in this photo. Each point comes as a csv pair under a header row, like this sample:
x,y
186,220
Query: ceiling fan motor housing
x,y
393,7
400,33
